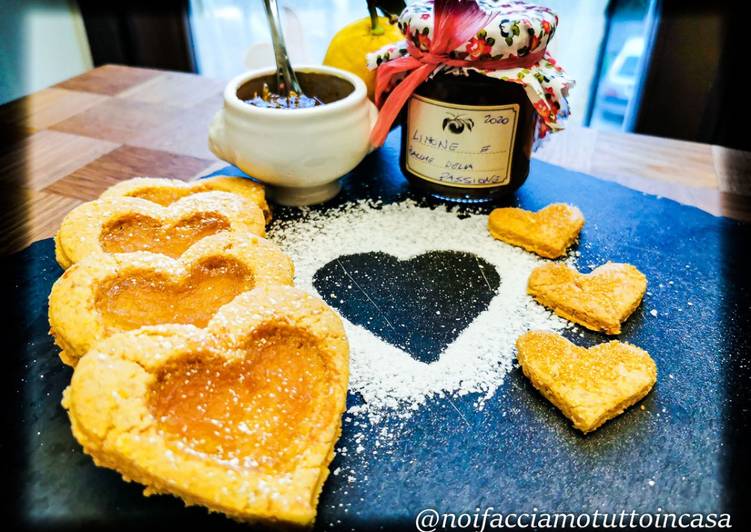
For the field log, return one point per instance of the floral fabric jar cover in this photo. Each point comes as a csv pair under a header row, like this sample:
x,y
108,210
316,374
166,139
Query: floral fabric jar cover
x,y
514,30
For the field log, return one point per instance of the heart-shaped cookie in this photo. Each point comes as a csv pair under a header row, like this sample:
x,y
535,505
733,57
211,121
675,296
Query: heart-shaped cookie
x,y
548,232
123,224
108,293
600,300
240,417
590,386
167,191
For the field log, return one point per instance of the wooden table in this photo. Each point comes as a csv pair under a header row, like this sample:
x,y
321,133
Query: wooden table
x,y
64,145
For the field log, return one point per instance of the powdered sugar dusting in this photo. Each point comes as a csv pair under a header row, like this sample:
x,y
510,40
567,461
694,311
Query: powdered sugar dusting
x,y
390,381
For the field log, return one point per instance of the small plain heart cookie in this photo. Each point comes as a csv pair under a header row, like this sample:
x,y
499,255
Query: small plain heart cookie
x,y
590,386
240,417
548,232
600,300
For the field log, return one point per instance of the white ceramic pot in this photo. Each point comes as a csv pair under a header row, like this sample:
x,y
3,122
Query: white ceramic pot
x,y
299,153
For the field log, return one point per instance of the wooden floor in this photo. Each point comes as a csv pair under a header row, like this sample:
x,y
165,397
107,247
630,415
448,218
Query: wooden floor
x,y
64,145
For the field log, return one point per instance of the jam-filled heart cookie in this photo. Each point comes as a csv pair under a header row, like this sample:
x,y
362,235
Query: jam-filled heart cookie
x,y
167,191
111,292
548,232
590,386
240,417
124,224
600,300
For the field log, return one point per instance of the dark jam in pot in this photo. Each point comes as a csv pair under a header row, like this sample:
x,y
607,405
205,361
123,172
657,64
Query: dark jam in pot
x,y
272,100
467,138
321,89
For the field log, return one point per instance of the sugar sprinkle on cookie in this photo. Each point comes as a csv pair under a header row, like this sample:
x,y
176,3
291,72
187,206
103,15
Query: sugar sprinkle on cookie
x,y
590,386
600,300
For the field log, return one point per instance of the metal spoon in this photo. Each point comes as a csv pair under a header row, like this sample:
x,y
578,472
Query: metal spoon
x,y
287,84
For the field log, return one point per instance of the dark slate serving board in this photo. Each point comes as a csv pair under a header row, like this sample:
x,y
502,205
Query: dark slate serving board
x,y
686,451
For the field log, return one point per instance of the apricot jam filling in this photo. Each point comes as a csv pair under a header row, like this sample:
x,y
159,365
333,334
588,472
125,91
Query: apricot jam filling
x,y
165,196
257,412
143,233
138,298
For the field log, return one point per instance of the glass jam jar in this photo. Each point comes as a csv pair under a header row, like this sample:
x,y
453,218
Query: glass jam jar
x,y
467,137
475,89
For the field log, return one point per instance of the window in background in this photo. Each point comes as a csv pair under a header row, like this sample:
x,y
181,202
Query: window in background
x,y
621,64
44,42
231,36
576,46
601,51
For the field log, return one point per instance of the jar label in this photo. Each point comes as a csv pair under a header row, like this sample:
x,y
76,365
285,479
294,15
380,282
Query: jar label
x,y
468,146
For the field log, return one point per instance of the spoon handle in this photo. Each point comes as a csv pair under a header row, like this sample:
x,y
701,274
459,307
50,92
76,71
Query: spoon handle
x,y
286,79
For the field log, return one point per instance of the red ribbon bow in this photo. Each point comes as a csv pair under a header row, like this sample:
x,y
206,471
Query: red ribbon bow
x,y
454,23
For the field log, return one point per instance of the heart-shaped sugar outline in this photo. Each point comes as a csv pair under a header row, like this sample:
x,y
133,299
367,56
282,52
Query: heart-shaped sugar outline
x,y
124,224
600,300
548,232
380,370
590,386
240,417
165,191
107,293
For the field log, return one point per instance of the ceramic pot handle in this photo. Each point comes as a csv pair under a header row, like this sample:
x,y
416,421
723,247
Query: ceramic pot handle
x,y
217,137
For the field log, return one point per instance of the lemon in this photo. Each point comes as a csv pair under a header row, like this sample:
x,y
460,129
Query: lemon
x,y
349,46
